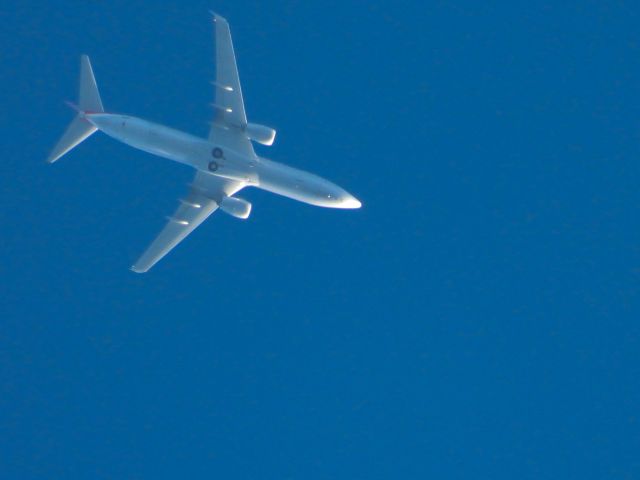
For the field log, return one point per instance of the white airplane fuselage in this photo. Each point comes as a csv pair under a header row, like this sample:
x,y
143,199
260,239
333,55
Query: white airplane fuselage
x,y
219,160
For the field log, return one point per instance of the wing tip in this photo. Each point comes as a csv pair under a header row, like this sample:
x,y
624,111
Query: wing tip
x,y
217,17
136,269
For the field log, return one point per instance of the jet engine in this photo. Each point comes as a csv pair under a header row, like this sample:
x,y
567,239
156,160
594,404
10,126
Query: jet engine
x,y
236,207
260,134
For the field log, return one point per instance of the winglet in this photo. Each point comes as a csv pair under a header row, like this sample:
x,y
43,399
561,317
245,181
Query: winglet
x,y
216,17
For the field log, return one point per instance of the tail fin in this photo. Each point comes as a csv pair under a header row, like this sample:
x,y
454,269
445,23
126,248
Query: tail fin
x,y
88,102
89,97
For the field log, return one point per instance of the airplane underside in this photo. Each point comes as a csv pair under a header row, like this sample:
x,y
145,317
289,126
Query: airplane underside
x,y
225,162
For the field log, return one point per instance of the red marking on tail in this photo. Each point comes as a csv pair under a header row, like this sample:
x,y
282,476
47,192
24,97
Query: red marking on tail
x,y
73,106
79,110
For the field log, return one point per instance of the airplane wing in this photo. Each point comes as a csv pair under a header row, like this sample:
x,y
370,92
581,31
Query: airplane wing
x,y
230,119
205,194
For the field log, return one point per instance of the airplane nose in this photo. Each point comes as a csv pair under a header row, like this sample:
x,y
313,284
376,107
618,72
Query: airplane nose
x,y
349,201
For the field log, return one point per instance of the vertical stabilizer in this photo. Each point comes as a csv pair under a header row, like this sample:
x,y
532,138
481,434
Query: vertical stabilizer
x,y
88,102
89,97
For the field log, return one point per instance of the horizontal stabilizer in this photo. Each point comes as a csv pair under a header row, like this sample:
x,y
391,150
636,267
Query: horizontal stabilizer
x,y
78,131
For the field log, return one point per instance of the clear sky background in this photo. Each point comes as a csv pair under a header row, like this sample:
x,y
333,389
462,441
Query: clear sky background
x,y
477,318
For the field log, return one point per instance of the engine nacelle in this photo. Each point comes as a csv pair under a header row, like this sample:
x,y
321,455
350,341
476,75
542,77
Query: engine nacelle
x,y
260,134
236,207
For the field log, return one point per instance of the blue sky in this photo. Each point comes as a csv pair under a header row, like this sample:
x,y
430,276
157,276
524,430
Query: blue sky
x,y
477,318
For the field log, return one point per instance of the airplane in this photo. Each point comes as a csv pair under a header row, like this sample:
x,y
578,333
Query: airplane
x,y
225,162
